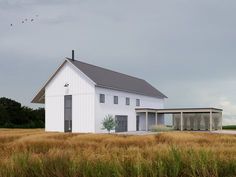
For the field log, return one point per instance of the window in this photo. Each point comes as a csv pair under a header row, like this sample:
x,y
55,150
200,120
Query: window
x,y
115,99
102,98
127,101
137,102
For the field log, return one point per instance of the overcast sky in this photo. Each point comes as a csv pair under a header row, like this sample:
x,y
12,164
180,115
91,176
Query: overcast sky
x,y
185,48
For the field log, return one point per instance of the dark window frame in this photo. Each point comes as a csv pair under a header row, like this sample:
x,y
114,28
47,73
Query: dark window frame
x,y
127,101
115,100
137,102
122,125
102,98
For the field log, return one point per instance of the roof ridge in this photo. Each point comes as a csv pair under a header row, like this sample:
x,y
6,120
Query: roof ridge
x,y
106,69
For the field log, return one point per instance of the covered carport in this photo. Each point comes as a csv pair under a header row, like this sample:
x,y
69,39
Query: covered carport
x,y
188,118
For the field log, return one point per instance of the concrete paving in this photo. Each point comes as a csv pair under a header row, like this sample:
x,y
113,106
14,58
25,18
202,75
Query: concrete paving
x,y
137,133
231,132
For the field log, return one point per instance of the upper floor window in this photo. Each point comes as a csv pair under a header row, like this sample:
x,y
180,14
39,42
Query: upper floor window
x,y
102,98
137,102
115,99
127,101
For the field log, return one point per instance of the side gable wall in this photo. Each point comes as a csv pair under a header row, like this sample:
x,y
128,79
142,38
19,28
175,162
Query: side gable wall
x,y
82,91
103,109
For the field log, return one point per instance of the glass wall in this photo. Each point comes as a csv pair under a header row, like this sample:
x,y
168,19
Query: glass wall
x,y
197,121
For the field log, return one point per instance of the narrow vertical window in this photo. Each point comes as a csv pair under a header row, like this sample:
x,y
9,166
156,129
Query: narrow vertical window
x,y
137,102
102,98
127,100
115,99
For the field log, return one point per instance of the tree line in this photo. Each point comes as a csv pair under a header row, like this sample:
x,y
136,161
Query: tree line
x,y
14,115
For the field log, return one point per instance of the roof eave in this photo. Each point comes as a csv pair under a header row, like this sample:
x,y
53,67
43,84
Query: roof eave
x,y
41,92
129,91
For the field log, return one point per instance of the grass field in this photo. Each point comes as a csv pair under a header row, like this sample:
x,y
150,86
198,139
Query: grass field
x,y
29,153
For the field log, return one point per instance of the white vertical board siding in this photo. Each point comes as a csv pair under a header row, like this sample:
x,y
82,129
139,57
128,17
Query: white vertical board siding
x,y
54,113
82,91
103,109
83,113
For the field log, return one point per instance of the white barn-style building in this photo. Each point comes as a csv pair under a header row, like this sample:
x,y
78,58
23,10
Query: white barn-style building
x,y
78,96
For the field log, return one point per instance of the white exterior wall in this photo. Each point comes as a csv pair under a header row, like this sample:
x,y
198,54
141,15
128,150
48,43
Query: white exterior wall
x,y
82,90
103,109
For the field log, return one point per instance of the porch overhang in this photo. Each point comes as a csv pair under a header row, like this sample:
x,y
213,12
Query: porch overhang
x,y
183,111
179,110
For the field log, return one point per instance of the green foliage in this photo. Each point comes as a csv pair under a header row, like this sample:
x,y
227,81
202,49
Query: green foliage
x,y
13,115
108,123
229,127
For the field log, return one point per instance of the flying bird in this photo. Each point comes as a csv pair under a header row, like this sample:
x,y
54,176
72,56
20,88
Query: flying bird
x,y
26,19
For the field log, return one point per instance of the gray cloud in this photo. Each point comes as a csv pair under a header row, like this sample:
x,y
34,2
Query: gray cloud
x,y
13,4
184,48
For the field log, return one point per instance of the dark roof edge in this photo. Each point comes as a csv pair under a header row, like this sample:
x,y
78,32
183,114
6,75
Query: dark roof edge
x,y
129,91
176,109
34,100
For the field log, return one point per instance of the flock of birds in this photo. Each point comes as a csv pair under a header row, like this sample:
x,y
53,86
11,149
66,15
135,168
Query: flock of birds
x,y
26,20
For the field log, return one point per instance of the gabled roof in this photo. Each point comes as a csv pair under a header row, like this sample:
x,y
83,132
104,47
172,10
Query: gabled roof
x,y
114,80
106,78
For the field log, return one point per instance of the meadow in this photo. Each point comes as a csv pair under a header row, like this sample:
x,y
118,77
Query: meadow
x,y
32,152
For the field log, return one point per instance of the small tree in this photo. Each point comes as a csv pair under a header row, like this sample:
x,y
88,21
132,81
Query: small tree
x,y
108,123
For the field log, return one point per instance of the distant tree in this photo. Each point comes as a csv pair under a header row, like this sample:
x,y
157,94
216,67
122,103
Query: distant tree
x,y
13,115
11,110
3,115
39,115
9,103
108,123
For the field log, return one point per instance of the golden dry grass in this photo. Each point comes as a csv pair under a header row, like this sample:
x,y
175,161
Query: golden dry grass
x,y
33,152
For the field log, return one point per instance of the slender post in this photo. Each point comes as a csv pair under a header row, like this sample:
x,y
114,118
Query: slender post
x,y
146,121
173,121
221,119
181,121
156,118
211,120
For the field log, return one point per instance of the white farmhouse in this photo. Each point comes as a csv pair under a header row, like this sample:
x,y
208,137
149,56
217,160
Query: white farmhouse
x,y
78,96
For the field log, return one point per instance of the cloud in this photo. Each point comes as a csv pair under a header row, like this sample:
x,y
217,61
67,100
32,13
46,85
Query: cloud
x,y
11,4
184,48
229,120
229,113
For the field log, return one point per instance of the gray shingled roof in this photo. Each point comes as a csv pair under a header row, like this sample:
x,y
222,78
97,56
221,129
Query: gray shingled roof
x,y
114,80
106,78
